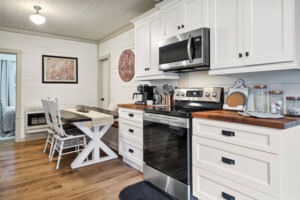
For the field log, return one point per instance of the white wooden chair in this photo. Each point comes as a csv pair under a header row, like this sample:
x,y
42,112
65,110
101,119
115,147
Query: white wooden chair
x,y
64,138
50,137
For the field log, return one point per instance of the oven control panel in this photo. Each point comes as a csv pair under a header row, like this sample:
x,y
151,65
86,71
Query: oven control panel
x,y
214,94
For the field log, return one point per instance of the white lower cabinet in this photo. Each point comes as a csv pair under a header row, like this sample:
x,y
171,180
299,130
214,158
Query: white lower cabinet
x,y
131,137
233,161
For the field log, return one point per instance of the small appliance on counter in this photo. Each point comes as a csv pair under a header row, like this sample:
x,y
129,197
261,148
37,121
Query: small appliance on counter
x,y
167,137
145,92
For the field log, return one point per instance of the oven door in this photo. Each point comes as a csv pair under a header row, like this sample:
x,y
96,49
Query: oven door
x,y
167,144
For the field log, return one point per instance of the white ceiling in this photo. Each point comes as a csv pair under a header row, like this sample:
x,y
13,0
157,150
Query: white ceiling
x,y
85,19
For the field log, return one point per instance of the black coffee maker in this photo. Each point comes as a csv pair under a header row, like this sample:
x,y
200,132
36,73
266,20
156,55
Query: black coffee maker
x,y
146,93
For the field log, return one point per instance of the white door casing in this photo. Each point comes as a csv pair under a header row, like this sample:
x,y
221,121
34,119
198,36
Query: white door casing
x,y
104,82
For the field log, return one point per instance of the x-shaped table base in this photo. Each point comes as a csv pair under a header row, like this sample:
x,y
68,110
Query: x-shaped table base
x,y
93,146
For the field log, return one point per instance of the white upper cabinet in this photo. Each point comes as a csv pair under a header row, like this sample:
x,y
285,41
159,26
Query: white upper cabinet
x,y
147,35
184,16
172,20
251,32
195,14
226,33
142,48
268,31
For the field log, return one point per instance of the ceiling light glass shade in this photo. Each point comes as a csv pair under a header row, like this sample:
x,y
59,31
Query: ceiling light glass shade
x,y
37,18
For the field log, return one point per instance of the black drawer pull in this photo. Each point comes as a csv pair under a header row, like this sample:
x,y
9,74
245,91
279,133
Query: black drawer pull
x,y
131,130
227,196
228,133
228,161
130,150
130,115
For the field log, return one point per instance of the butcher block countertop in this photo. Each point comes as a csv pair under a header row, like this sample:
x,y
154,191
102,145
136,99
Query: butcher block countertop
x,y
137,107
234,117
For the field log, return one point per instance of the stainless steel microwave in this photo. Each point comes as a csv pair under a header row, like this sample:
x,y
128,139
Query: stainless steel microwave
x,y
185,52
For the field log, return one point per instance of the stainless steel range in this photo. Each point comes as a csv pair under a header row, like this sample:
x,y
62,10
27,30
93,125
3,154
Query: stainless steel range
x,y
167,140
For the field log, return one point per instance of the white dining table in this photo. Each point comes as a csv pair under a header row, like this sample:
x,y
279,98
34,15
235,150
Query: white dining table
x,y
101,121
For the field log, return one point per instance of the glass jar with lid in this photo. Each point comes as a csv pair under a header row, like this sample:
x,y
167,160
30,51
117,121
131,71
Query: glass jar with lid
x,y
293,105
276,101
260,98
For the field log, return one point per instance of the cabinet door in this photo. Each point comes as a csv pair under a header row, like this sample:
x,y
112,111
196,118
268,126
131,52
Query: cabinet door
x,y
226,18
171,20
195,14
142,41
155,37
268,31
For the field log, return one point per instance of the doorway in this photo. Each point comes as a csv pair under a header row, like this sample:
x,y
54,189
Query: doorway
x,y
10,95
104,82
8,92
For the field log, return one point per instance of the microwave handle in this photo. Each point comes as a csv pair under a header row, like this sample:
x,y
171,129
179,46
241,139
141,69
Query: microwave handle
x,y
189,49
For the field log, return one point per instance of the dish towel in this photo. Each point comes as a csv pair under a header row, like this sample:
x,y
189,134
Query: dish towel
x,y
98,118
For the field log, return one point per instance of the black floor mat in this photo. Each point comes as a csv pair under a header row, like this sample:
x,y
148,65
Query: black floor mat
x,y
142,191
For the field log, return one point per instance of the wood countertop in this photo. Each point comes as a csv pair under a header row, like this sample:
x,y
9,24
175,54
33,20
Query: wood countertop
x,y
137,107
234,117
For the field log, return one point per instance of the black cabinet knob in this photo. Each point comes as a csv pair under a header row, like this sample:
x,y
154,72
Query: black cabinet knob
x,y
131,130
130,150
178,27
182,26
130,115
247,54
240,55
102,99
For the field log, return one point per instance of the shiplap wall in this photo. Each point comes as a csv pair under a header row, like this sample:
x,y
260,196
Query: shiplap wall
x,y
33,47
120,91
288,81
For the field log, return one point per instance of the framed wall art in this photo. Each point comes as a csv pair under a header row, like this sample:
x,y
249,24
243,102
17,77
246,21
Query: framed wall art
x,y
57,69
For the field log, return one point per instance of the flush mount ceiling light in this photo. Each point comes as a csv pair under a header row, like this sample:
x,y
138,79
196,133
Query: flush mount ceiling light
x,y
37,18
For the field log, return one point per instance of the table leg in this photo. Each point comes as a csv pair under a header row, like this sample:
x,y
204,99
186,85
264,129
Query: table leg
x,y
93,147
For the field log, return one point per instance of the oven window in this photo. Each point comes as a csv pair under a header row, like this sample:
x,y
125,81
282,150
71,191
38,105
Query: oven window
x,y
173,52
165,149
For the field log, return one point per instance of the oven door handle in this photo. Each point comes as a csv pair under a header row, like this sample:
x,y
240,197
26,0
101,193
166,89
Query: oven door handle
x,y
189,48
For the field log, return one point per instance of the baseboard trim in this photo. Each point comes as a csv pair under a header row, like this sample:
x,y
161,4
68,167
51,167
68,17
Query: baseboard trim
x,y
38,136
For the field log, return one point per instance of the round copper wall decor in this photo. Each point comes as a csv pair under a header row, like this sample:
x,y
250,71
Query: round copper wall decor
x,y
126,65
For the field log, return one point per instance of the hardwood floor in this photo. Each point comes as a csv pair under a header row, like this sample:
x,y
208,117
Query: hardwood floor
x,y
26,173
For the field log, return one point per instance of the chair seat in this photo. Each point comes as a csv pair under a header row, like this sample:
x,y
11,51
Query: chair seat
x,y
68,126
72,133
143,191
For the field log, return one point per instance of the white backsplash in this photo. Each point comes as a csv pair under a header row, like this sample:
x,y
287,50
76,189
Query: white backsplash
x,y
288,81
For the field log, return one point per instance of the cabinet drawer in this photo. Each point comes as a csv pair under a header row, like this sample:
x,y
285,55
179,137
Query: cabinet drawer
x,y
131,132
252,168
129,150
260,138
209,186
131,114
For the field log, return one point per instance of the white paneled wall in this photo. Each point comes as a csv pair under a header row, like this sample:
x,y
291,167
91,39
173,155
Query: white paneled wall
x,y
120,91
288,81
33,47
